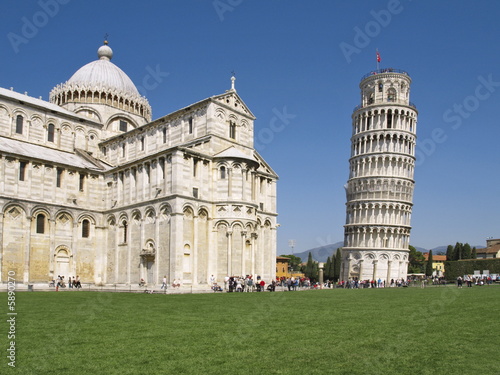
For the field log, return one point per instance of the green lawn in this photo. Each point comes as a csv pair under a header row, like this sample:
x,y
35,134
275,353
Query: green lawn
x,y
437,330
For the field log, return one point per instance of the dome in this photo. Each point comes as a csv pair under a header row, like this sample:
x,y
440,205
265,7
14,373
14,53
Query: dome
x,y
101,83
103,73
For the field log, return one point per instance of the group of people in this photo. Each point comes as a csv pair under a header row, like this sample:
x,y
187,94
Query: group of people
x,y
242,284
470,280
175,284
71,283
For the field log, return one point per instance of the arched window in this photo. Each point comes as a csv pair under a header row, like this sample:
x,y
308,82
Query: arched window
x,y
190,125
50,133
391,95
19,124
40,223
380,87
85,228
59,177
371,98
123,126
22,170
164,131
222,172
232,130
125,227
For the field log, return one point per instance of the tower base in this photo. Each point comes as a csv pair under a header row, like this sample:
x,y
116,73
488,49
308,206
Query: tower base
x,y
374,264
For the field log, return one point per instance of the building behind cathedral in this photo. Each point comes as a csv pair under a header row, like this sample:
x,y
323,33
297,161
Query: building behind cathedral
x,y
91,186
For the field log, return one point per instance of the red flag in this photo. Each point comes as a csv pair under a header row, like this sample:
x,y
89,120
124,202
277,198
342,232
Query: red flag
x,y
378,57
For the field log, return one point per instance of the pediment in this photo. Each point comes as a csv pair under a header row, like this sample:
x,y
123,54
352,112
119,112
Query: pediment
x,y
232,100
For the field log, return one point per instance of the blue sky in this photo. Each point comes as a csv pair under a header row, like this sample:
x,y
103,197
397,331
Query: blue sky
x,y
298,64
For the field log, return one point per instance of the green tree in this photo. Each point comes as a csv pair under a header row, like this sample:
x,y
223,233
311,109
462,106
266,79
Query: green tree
x,y
415,261
309,266
294,262
428,266
338,263
326,269
466,252
331,271
449,252
315,272
457,251
474,253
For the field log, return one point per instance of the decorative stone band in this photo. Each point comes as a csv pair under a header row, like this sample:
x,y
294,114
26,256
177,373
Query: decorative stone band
x,y
75,92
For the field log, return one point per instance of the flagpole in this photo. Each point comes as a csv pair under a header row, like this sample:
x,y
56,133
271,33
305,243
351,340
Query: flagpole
x,y
377,58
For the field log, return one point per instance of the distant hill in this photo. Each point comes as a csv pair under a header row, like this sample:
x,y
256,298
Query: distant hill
x,y
320,254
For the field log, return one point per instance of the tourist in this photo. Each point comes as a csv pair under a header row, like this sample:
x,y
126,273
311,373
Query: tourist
x,y
249,287
164,283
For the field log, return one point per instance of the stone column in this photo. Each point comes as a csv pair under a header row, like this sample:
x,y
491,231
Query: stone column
x,y
360,277
321,265
229,250
388,280
243,248
348,273
375,270
176,245
158,257
194,274
27,245
252,244
2,217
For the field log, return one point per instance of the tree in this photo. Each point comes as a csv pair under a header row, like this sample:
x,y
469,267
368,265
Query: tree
x,y
326,269
474,253
457,251
309,266
415,261
466,252
331,271
428,266
449,252
338,262
294,262
315,272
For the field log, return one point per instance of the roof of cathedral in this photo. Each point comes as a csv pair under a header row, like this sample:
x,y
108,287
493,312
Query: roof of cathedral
x,y
233,152
44,153
39,103
103,73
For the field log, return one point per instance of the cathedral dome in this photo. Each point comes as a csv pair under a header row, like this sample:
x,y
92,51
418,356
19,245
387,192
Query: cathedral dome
x,y
103,73
101,82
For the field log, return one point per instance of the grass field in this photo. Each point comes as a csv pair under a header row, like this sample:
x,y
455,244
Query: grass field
x,y
437,330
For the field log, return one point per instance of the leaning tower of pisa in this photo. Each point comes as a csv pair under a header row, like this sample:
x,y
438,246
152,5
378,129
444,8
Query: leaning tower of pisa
x,y
380,186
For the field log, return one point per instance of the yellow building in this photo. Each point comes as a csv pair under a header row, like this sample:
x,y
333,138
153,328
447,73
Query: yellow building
x,y
282,267
437,264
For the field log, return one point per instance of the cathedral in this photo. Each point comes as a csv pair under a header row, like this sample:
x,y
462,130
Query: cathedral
x,y
92,186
